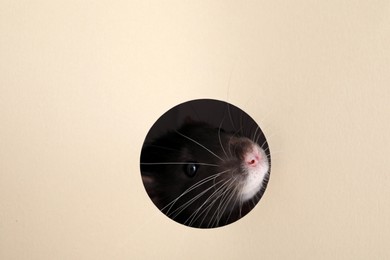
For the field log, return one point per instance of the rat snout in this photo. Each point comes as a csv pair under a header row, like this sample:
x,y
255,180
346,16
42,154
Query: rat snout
x,y
246,150
252,157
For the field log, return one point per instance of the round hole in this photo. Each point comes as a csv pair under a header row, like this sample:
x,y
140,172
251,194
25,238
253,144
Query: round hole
x,y
193,163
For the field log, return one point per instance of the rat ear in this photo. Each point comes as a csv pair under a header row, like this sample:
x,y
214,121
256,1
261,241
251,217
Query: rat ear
x,y
188,120
147,180
150,186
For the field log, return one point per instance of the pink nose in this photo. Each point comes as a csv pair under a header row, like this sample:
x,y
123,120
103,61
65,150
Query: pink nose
x,y
252,158
253,162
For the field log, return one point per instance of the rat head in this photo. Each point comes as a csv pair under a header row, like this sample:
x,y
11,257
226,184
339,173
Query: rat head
x,y
202,176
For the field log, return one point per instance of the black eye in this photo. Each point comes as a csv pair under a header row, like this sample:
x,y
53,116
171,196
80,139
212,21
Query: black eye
x,y
190,169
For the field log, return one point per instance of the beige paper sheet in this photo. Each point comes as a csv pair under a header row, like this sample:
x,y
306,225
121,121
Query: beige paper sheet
x,y
82,82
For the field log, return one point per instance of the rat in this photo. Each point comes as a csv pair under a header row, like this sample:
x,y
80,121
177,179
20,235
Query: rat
x,y
203,176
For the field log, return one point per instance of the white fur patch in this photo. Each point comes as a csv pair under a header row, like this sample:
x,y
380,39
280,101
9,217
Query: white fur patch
x,y
255,176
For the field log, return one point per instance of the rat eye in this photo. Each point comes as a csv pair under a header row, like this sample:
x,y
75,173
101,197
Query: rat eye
x,y
190,169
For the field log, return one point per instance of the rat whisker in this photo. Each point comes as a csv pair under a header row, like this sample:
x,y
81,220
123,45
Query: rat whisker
x,y
189,138
212,198
178,163
194,186
219,137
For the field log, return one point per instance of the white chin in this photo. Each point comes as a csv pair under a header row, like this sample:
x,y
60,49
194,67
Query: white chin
x,y
254,182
